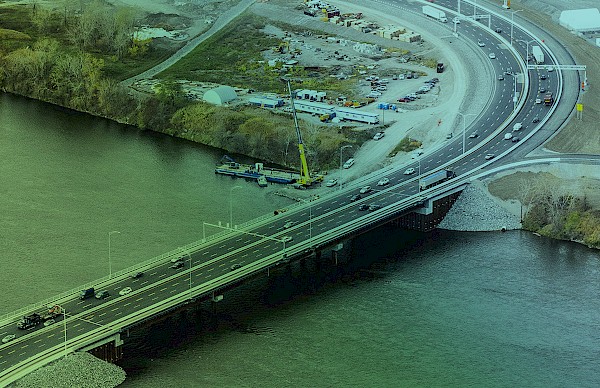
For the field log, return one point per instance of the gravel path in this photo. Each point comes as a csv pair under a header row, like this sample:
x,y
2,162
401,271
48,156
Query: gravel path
x,y
81,370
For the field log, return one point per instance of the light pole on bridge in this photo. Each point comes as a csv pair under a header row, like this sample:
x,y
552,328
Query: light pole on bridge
x,y
109,259
464,116
512,24
231,204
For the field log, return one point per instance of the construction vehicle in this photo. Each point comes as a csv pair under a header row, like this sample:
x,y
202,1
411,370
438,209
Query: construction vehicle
x,y
32,320
548,99
305,178
282,47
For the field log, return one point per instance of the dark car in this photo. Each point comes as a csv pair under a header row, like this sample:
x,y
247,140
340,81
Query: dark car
x,y
536,119
87,293
542,89
498,30
178,265
473,135
374,207
363,206
355,197
137,275
543,76
515,139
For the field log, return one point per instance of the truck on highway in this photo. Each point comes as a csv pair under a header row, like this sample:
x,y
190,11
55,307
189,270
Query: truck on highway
x,y
29,321
435,179
32,320
435,13
538,54
548,99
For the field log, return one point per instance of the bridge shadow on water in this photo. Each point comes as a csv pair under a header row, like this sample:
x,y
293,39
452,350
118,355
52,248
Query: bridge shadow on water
x,y
248,307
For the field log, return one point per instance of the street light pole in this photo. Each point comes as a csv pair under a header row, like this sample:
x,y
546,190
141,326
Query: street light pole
x,y
464,116
109,261
231,205
65,326
341,167
190,261
512,24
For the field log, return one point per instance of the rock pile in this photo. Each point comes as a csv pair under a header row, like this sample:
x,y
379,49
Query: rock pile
x,y
475,211
79,369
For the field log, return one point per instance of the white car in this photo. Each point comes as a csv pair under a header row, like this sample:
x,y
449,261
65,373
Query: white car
x,y
550,68
374,93
378,136
489,156
409,171
517,126
480,43
456,20
49,322
365,189
125,291
349,163
8,338
538,100
492,56
289,224
286,239
331,182
383,182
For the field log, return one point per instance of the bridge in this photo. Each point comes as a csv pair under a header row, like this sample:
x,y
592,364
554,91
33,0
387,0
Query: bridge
x,y
222,260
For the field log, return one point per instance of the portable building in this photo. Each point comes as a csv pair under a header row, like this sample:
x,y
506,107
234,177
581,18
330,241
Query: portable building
x,y
220,95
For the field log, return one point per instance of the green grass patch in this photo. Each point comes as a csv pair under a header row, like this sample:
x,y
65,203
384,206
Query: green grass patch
x,y
406,145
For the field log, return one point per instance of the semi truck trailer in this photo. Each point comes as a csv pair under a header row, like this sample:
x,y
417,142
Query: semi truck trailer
x,y
435,13
538,54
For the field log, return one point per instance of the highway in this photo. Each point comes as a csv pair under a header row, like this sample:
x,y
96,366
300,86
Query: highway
x,y
268,242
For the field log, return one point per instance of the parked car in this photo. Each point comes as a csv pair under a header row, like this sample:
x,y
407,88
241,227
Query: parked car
x,y
409,171
125,291
378,136
489,156
178,265
365,189
8,338
355,197
331,182
363,207
349,163
383,182
374,206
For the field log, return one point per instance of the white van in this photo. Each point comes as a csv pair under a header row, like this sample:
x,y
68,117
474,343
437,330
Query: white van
x,y
349,163
517,126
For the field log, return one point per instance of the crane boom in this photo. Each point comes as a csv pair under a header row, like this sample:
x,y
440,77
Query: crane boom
x,y
305,178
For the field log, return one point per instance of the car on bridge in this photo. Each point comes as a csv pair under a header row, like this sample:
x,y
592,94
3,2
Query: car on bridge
x,y
8,338
355,197
102,294
365,189
137,275
125,291
383,182
49,322
374,207
489,156
176,259
363,206
409,171
235,266
178,265
289,224
286,239
473,135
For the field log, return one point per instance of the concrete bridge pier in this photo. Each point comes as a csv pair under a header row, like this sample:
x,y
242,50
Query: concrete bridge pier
x,y
110,350
430,214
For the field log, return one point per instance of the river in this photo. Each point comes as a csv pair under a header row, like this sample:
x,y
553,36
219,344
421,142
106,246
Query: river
x,y
400,309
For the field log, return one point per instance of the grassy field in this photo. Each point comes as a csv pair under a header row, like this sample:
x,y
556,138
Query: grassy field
x,y
234,54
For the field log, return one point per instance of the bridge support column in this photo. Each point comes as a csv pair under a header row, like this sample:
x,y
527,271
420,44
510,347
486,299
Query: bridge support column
x,y
110,351
428,217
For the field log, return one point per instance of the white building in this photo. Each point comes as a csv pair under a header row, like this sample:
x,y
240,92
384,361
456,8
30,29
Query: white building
x,y
357,115
581,21
220,95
